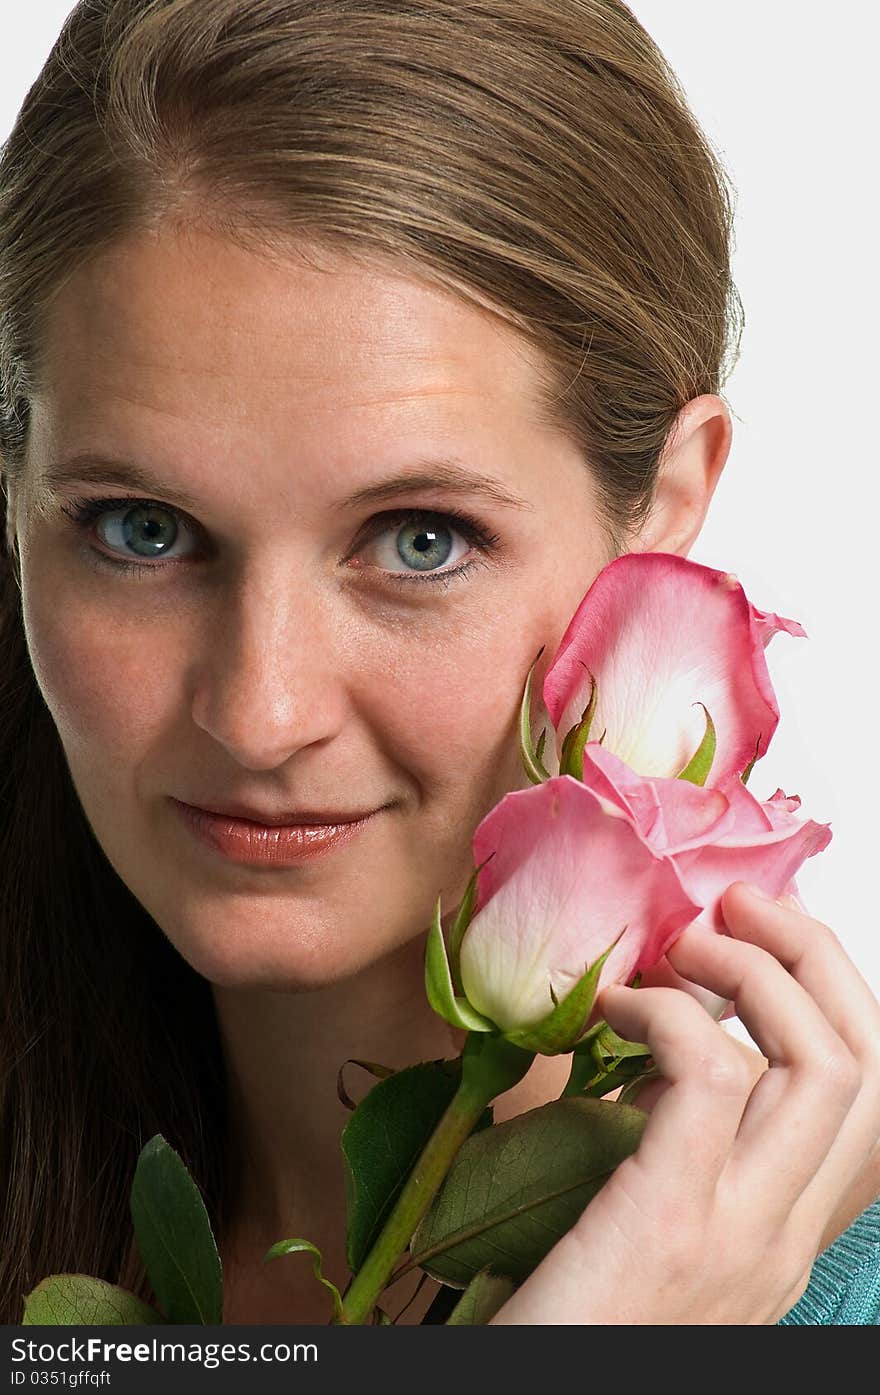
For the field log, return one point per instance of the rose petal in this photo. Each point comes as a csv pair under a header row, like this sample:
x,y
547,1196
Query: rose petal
x,y
662,634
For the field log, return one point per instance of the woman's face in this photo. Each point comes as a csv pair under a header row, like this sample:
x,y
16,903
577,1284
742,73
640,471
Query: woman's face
x,y
284,646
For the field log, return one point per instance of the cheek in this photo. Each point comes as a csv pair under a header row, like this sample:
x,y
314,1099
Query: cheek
x,y
446,695
98,677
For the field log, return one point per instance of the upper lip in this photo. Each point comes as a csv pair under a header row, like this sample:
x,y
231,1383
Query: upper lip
x,y
272,818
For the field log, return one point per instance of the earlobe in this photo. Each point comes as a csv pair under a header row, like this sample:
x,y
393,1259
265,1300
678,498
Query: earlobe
x,y
690,467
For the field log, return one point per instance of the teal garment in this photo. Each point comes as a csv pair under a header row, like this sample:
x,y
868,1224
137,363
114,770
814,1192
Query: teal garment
x,y
844,1284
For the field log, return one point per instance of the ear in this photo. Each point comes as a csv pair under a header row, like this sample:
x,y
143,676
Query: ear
x,y
690,466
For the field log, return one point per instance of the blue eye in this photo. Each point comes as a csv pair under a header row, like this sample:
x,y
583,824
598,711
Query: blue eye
x,y
421,537
422,541
142,523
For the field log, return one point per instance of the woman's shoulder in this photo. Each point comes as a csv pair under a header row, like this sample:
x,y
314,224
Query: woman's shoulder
x,y
844,1285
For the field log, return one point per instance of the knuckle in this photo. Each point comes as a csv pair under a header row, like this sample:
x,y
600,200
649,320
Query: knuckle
x,y
680,1241
796,1292
797,1247
837,1066
821,940
822,932
852,1075
725,1071
677,1014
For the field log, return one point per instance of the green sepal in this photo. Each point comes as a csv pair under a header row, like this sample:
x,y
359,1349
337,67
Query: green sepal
x,y
457,1011
615,1047
748,770
380,1072
287,1247
492,1065
602,1059
700,763
561,1028
584,1079
460,924
531,759
641,1078
572,758
585,1043
539,749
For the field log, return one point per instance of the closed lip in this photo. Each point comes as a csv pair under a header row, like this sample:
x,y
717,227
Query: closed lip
x,y
295,819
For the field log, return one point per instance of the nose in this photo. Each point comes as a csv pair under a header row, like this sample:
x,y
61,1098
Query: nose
x,y
269,678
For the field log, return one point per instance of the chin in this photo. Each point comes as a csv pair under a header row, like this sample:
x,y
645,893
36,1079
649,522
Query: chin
x,y
279,964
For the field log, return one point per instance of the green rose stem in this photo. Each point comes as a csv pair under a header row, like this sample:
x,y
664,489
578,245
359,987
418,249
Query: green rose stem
x,y
489,1066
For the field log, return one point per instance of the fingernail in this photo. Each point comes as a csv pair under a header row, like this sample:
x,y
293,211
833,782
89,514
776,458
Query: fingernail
x,y
759,892
789,902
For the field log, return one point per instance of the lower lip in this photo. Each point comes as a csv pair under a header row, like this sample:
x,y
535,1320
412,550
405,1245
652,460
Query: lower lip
x,y
243,841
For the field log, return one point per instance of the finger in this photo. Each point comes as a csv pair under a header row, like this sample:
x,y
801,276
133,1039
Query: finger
x,y
795,1111
812,954
662,975
691,1127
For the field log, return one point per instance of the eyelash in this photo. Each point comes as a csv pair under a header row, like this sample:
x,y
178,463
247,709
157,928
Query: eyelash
x,y
84,512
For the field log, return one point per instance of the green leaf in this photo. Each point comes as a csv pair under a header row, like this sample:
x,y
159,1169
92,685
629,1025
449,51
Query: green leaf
x,y
559,1030
531,759
484,1295
515,1189
438,984
383,1139
174,1237
286,1247
74,1300
700,763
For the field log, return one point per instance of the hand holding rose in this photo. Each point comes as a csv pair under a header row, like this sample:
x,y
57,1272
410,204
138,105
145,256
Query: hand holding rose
x,y
719,1214
633,858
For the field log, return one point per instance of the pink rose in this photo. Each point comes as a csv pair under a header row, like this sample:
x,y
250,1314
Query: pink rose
x,y
662,635
564,873
566,866
589,877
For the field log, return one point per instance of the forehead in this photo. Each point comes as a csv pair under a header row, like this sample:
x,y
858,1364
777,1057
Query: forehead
x,y
190,313
223,368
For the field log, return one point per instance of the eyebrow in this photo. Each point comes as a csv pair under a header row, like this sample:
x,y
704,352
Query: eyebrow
x,y
90,467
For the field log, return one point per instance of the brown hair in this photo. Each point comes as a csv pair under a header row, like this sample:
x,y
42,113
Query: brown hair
x,y
535,156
